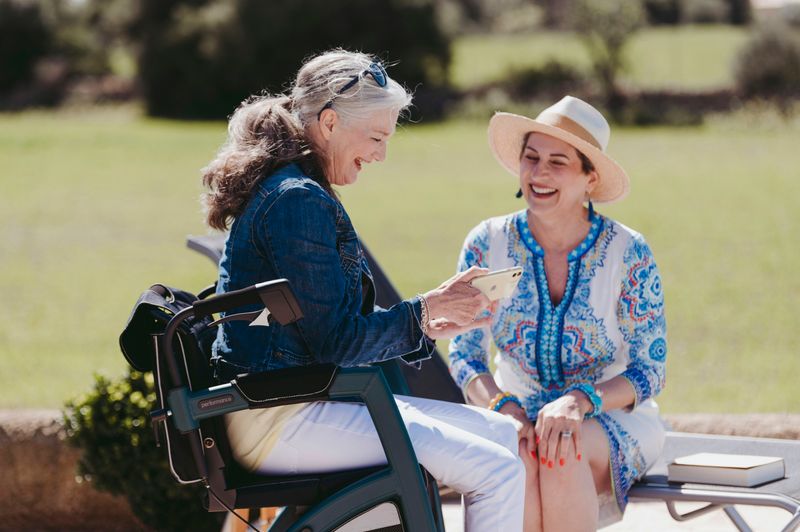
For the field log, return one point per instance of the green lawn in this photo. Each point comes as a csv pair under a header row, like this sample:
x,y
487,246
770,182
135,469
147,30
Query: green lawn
x,y
96,206
687,57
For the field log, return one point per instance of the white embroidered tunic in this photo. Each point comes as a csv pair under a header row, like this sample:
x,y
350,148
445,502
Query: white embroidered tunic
x,y
610,322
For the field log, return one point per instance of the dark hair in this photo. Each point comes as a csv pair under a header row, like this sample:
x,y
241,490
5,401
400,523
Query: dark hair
x,y
586,164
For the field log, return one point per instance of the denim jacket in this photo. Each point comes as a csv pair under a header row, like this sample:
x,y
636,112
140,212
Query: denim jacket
x,y
292,228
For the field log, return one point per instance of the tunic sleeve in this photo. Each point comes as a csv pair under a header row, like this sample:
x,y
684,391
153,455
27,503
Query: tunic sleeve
x,y
469,352
641,317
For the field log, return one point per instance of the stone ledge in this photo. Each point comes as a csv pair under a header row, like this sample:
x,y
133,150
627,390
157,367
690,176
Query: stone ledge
x,y
38,488
784,426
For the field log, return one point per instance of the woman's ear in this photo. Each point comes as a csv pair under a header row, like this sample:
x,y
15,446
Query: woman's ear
x,y
328,119
591,184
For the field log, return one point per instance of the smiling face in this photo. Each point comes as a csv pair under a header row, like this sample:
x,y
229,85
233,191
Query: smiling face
x,y
551,176
348,145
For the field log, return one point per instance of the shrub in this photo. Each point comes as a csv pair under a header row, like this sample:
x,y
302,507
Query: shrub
x,y
740,12
111,425
790,14
555,13
768,66
551,80
660,12
706,12
199,59
24,40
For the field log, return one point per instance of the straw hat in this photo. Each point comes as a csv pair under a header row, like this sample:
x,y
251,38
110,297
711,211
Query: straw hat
x,y
576,123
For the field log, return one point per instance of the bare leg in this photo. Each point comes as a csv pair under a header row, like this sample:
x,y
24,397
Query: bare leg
x,y
569,492
533,503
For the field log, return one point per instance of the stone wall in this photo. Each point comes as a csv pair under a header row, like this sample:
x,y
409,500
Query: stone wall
x,y
38,488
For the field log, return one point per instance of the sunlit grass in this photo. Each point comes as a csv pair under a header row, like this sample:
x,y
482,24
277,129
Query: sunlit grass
x,y
96,207
687,57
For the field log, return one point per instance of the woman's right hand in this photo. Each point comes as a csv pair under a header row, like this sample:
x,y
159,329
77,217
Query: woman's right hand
x,y
525,429
456,301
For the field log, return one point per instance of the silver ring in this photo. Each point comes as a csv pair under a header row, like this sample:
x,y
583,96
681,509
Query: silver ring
x,y
566,434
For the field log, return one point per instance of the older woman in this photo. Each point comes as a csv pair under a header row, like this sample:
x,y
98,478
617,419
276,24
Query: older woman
x,y
272,183
581,343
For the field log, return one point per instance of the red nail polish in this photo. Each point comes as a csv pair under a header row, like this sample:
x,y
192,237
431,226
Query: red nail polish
x,y
579,457
537,439
561,462
550,464
544,460
533,454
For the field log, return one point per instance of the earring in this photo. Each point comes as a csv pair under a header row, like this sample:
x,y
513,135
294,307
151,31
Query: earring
x,y
519,193
591,210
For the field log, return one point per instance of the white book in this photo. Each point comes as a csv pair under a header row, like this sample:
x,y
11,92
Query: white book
x,y
726,469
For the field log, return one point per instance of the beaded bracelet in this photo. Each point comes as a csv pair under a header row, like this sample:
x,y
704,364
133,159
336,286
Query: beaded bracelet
x,y
425,317
501,399
591,394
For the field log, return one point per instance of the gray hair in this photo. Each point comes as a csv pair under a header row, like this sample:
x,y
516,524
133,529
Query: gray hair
x,y
266,132
322,77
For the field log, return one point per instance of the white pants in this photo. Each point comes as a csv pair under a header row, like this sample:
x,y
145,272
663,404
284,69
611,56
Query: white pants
x,y
472,450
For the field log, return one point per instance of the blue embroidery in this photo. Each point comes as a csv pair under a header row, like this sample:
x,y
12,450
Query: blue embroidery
x,y
551,319
627,461
658,350
543,345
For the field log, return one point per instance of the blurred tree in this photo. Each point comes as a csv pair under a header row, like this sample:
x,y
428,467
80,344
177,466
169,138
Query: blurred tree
x,y
707,12
663,11
494,16
46,45
24,40
740,12
200,58
556,13
604,26
107,24
768,67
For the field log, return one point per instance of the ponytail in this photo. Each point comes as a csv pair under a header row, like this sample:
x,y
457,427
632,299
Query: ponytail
x,y
263,135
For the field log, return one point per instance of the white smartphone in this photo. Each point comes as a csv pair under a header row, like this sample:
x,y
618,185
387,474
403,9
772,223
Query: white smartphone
x,y
498,284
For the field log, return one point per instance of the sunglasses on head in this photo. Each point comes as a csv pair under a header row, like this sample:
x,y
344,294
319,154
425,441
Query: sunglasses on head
x,y
376,70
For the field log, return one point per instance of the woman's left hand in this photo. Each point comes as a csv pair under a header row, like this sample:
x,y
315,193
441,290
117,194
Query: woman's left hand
x,y
558,426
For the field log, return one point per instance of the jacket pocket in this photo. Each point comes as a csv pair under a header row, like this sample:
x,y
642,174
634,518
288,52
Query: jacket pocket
x,y
286,358
350,253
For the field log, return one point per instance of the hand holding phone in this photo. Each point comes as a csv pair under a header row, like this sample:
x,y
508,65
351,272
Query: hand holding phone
x,y
498,284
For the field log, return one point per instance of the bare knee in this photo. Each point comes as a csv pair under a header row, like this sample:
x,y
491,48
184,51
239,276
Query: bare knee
x,y
598,450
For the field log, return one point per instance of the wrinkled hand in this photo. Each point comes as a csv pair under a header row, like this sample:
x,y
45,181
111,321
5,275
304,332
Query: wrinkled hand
x,y
456,301
440,329
564,414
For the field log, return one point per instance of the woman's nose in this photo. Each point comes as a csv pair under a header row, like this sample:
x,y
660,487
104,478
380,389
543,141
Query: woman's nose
x,y
380,153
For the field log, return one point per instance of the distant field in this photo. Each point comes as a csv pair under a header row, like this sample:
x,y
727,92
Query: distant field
x,y
688,57
95,207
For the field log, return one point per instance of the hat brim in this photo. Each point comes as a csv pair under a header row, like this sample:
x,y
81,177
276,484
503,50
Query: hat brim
x,y
507,130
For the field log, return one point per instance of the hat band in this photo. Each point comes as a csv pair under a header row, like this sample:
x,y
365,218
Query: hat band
x,y
568,125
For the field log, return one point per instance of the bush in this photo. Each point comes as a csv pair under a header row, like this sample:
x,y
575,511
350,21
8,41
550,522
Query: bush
x,y
200,58
768,66
740,12
706,12
112,427
24,40
551,80
660,12
790,14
